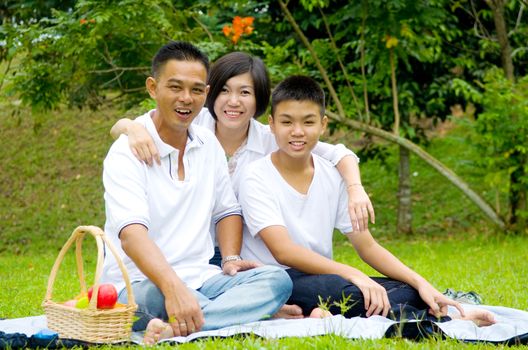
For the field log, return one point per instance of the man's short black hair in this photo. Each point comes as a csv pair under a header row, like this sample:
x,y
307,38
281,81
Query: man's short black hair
x,y
180,51
237,63
298,88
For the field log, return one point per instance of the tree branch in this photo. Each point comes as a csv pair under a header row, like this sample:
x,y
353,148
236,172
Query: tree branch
x,y
203,27
394,89
6,71
433,162
310,48
519,18
478,23
118,69
341,65
362,62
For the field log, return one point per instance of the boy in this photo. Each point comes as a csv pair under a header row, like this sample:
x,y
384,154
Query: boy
x,y
291,202
160,216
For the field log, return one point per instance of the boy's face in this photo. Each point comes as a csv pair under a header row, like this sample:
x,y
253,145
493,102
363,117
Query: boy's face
x,y
180,91
297,126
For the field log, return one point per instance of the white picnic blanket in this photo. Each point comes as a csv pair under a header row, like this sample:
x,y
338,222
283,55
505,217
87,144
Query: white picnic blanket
x,y
511,323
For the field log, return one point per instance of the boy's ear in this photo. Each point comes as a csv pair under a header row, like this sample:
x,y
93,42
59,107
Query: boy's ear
x,y
271,125
325,123
151,84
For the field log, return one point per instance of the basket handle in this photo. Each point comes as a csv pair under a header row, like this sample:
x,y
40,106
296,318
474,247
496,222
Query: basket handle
x,y
77,236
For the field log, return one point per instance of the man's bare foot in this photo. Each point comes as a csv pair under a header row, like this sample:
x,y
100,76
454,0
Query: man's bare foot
x,y
157,330
289,311
481,318
320,313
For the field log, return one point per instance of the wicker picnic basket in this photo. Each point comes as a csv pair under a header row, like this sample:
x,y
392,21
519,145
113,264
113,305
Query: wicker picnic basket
x,y
90,324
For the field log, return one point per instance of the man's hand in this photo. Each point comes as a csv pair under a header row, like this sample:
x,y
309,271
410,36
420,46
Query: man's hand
x,y
359,207
185,314
230,268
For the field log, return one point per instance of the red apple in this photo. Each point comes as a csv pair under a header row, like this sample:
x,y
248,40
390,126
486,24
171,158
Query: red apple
x,y
106,296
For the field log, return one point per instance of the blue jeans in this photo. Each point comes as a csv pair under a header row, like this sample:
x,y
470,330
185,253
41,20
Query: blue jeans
x,y
248,296
405,301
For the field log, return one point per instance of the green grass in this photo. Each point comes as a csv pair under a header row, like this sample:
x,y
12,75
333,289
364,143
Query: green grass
x,y
50,182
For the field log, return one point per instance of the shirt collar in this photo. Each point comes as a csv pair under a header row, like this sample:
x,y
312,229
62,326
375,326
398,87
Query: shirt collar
x,y
193,139
255,141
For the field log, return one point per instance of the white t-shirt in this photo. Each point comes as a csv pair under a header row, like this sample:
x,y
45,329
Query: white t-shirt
x,y
176,213
268,200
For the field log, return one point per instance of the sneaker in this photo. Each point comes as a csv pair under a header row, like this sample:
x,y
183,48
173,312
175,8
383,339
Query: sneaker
x,y
463,297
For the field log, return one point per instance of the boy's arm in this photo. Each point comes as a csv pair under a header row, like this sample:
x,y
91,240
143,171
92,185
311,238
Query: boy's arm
x,y
387,264
139,140
346,162
181,305
288,253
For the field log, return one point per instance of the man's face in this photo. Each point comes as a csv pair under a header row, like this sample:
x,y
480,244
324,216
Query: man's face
x,y
180,91
297,126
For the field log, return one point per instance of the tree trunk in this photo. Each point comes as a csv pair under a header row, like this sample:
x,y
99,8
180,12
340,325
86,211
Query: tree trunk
x,y
404,192
497,7
404,177
517,195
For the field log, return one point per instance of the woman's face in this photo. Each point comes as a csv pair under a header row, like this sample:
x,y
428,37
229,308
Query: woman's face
x,y
236,104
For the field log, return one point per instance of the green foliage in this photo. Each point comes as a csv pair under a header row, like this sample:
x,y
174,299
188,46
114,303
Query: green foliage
x,y
502,131
100,51
501,135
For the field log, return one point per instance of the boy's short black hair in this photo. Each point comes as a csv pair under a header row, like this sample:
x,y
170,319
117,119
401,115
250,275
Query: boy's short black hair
x,y
233,64
180,51
298,88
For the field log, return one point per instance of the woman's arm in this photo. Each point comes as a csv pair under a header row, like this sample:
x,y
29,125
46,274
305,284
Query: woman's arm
x,y
359,205
139,140
346,162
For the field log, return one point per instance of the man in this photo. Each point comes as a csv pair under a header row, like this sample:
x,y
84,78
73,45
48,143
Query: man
x,y
160,216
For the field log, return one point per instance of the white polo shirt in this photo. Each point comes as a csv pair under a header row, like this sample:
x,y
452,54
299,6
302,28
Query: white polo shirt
x,y
268,200
176,213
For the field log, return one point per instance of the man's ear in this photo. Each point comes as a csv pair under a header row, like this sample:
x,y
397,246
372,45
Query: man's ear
x,y
271,125
151,84
325,123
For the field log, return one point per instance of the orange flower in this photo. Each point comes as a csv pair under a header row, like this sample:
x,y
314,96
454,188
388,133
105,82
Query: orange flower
x,y
237,21
226,30
240,26
83,21
248,30
247,21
